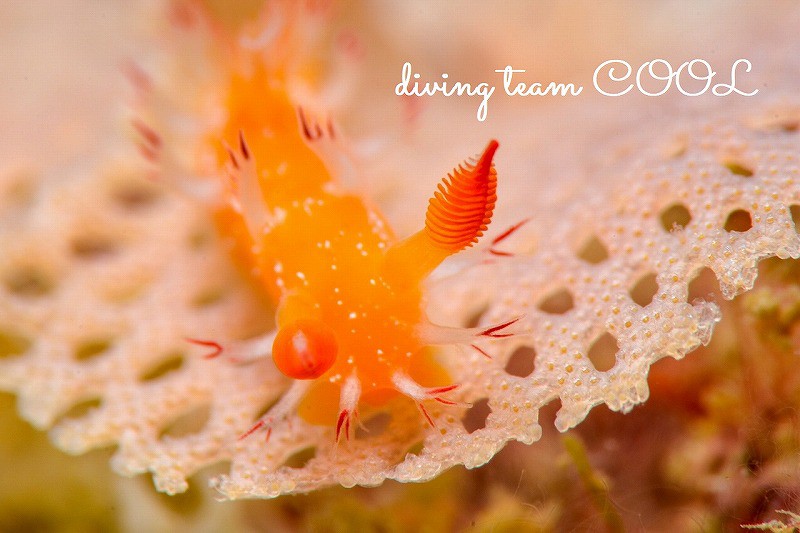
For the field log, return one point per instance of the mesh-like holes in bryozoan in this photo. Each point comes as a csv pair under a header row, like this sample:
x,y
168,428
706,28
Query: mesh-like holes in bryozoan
x,y
374,426
188,423
738,221
93,247
81,409
208,297
475,417
737,167
603,352
17,192
676,216
170,363
790,125
13,343
300,458
522,362
642,293
704,286
558,302
593,251
91,348
134,197
794,210
475,316
28,282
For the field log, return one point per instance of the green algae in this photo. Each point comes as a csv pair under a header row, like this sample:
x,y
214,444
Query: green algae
x,y
394,508
44,490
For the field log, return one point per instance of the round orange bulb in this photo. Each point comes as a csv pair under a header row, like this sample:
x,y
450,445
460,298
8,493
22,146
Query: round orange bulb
x,y
304,349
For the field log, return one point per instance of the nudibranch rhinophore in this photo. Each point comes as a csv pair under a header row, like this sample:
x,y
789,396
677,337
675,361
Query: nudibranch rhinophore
x,y
351,329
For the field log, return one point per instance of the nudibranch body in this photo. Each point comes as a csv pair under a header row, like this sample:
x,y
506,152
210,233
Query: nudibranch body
x,y
350,326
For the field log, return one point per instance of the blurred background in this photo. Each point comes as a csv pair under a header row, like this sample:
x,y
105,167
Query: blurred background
x,y
717,444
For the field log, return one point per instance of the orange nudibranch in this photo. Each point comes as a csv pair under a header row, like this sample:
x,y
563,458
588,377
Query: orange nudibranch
x,y
349,297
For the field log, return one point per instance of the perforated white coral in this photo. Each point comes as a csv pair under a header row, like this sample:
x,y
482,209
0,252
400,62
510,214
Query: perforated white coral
x,y
104,274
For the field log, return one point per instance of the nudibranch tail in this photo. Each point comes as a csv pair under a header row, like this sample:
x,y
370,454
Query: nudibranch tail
x,y
458,214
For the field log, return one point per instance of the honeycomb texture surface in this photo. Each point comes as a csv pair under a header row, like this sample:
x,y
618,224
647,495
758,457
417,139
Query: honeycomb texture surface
x,y
99,291
104,274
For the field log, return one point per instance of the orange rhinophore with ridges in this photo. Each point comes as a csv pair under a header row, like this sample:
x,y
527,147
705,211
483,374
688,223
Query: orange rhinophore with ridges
x,y
461,209
351,330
